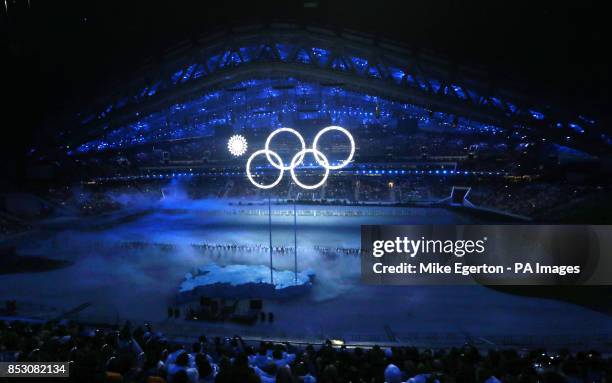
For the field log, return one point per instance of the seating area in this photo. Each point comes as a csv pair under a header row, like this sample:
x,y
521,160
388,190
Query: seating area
x,y
138,353
525,197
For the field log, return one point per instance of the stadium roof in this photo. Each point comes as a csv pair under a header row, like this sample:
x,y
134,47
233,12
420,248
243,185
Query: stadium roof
x,y
352,60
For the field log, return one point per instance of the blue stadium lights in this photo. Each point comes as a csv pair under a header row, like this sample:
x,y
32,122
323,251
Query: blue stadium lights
x,y
576,127
537,115
379,172
210,112
214,110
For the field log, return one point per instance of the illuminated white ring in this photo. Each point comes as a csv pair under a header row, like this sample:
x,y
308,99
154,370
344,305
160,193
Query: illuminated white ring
x,y
248,169
298,158
280,165
316,139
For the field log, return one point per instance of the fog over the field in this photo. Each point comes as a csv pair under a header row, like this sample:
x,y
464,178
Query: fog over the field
x,y
140,282
102,250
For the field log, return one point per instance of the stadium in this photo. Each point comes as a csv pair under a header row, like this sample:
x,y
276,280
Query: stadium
x,y
201,220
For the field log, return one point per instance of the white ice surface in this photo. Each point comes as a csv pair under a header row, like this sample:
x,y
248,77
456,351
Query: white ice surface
x,y
237,275
140,284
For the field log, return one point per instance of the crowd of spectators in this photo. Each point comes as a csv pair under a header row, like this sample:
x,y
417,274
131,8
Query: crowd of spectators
x,y
140,354
83,201
9,226
97,204
224,249
527,199
519,195
414,145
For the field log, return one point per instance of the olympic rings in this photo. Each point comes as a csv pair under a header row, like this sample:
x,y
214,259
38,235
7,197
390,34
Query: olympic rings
x,y
298,158
296,161
267,146
340,129
248,169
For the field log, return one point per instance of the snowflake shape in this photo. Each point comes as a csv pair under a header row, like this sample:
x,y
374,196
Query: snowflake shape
x,y
237,145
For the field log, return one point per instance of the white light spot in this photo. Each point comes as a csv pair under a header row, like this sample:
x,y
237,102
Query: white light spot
x,y
237,145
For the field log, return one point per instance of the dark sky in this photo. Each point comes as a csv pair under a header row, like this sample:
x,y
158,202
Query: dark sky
x,y
55,51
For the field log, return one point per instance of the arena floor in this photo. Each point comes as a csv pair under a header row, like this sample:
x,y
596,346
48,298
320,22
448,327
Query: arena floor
x,y
126,281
